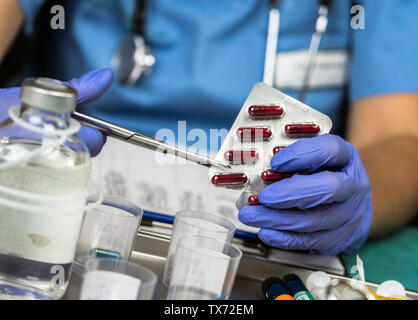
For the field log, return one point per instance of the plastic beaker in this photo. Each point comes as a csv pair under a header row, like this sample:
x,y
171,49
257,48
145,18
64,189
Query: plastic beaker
x,y
196,223
109,230
204,269
108,279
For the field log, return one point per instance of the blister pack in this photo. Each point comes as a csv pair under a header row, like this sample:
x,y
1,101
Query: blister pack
x,y
268,122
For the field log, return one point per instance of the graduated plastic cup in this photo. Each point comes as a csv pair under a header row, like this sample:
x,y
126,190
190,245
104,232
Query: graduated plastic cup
x,y
203,269
109,279
196,223
109,231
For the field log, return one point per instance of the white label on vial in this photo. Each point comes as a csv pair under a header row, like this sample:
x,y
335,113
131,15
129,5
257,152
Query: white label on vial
x,y
47,236
205,270
108,285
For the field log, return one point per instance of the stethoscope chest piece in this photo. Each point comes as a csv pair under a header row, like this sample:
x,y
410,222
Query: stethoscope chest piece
x,y
132,60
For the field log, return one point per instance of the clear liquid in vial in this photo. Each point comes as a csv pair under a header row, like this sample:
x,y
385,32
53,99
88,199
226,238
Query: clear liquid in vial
x,y
37,247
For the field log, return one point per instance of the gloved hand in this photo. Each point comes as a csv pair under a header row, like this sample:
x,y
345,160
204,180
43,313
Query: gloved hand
x,y
90,87
328,211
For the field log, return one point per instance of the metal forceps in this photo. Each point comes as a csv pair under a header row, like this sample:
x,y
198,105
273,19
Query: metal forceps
x,y
139,139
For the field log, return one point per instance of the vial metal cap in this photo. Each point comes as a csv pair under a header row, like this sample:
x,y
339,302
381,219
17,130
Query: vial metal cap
x,y
48,94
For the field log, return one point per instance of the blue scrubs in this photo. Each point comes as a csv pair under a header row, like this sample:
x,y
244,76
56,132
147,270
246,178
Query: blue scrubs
x,y
210,53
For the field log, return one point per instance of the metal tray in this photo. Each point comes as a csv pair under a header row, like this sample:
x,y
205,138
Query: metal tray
x,y
257,264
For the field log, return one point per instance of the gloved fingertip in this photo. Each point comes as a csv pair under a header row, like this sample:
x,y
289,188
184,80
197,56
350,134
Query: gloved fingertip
x,y
92,85
96,148
264,197
243,214
278,193
10,91
282,161
93,139
335,149
310,154
265,235
280,165
251,215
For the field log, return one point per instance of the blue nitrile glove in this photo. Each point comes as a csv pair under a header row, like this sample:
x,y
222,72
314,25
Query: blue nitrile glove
x,y
90,87
328,211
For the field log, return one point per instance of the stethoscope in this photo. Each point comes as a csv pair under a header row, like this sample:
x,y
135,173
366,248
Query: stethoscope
x,y
133,59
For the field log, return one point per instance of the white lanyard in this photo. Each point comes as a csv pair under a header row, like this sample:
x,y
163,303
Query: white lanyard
x,y
271,45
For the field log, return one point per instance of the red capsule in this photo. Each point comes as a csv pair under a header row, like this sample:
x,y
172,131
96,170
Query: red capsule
x,y
277,149
230,179
271,175
254,134
241,157
253,200
302,128
265,111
